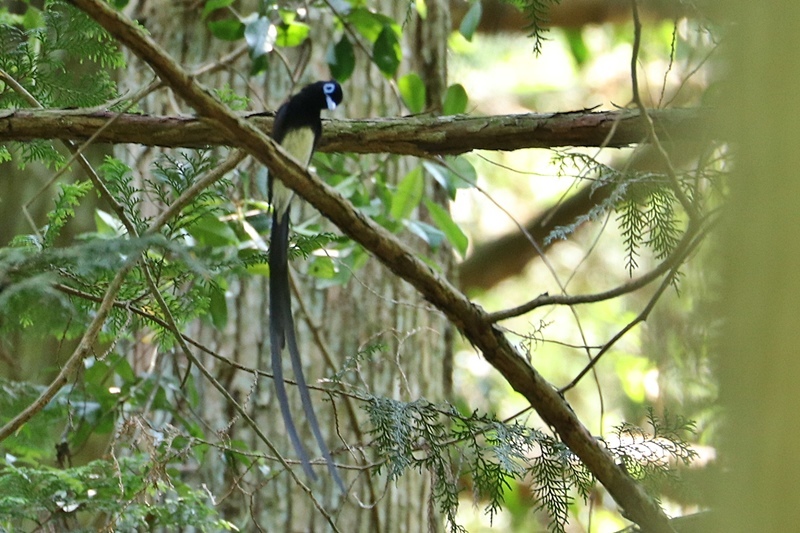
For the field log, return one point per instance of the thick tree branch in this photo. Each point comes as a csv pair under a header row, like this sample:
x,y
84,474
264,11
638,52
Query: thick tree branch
x,y
419,136
501,16
468,317
493,261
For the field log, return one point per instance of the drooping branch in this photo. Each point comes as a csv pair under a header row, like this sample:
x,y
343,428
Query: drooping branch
x,y
419,136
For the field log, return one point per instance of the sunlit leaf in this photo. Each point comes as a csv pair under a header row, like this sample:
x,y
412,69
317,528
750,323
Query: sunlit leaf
x,y
293,34
370,24
412,90
408,195
107,224
210,231
441,217
322,267
455,100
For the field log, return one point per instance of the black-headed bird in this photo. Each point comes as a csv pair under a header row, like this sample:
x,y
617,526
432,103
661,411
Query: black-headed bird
x,y
297,128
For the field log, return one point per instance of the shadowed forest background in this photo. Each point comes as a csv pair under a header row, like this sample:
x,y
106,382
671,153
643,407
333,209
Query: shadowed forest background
x,y
588,324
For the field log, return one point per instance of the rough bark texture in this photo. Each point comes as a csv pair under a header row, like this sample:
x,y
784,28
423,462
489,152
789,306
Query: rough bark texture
x,y
419,136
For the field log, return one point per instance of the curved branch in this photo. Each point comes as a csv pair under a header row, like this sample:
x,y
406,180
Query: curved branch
x,y
421,136
682,250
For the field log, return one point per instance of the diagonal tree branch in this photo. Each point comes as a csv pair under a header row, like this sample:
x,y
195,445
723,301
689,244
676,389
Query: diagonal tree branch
x,y
468,317
420,136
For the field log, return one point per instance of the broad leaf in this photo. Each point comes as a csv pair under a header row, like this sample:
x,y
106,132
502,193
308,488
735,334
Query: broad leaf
x,y
441,217
455,100
408,195
227,29
341,59
213,5
412,90
292,34
432,236
471,20
386,52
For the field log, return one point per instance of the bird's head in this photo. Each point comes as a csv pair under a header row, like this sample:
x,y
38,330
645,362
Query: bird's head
x,y
325,94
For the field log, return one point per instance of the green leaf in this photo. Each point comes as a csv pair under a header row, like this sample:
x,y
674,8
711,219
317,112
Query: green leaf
x,y
122,368
108,225
258,269
227,29
441,217
259,65
412,90
455,100
322,267
432,236
471,20
386,52
231,98
218,307
341,59
293,34
213,5
577,45
462,175
408,194
422,9
211,231
370,24
465,174
33,18
442,175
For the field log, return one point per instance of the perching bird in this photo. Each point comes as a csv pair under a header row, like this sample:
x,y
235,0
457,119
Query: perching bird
x,y
297,129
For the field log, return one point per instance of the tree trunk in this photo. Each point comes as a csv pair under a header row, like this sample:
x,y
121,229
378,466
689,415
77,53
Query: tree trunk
x,y
333,324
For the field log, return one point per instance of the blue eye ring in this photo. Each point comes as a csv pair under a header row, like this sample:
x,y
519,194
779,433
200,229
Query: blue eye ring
x,y
329,88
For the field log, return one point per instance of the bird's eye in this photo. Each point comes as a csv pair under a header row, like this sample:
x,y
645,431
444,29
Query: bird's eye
x,y
328,88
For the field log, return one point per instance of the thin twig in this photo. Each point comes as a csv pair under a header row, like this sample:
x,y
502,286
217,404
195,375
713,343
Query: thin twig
x,y
675,262
626,288
173,328
672,175
83,349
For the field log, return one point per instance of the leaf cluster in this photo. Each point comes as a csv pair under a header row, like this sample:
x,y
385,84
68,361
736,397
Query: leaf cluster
x,y
536,11
126,494
61,58
34,266
495,456
648,213
651,456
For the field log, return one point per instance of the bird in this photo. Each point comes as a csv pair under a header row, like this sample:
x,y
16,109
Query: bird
x,y
297,128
